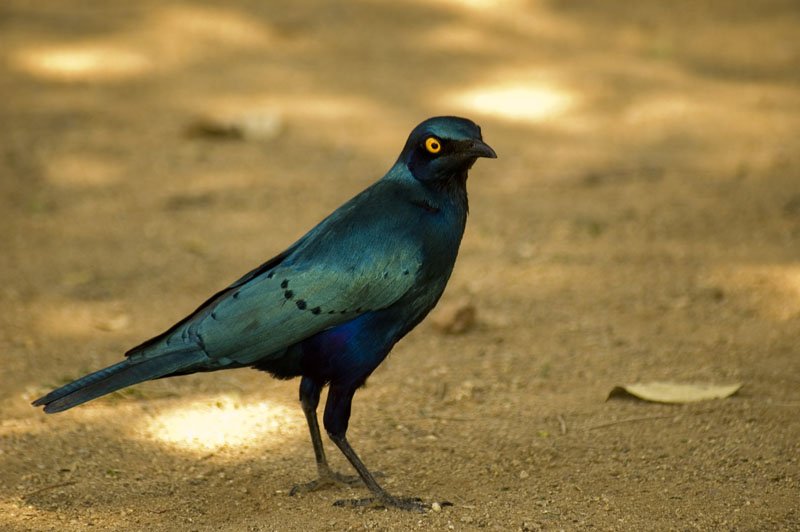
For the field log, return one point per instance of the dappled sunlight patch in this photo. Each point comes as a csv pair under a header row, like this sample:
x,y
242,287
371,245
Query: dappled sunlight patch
x,y
89,61
773,288
483,5
530,102
220,26
215,423
171,37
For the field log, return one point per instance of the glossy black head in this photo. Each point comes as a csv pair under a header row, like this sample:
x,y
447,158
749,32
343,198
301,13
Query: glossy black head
x,y
443,148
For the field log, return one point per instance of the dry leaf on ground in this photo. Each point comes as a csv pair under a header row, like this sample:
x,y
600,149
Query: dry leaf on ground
x,y
674,393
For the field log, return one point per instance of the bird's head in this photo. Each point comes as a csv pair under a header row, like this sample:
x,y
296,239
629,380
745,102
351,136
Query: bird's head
x,y
443,148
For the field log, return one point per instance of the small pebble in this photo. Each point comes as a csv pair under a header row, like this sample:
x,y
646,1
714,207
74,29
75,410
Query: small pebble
x,y
436,507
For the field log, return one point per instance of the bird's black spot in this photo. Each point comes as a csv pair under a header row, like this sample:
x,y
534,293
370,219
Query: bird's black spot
x,y
385,275
343,311
270,275
288,294
406,272
284,283
316,310
331,312
236,295
213,315
358,309
301,304
426,206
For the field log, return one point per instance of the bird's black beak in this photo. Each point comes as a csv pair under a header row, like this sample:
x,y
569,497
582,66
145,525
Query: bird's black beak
x,y
478,148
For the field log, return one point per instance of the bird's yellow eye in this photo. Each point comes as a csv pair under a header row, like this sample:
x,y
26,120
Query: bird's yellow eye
x,y
433,145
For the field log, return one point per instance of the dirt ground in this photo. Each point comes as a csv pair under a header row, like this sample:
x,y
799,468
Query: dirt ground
x,y
642,223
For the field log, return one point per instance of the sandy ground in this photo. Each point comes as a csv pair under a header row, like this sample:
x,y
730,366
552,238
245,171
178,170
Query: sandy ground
x,y
642,223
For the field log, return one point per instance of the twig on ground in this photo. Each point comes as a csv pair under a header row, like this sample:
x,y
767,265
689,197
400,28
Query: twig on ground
x,y
563,424
50,487
630,420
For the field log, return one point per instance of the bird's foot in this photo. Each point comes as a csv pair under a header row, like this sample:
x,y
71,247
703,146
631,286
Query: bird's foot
x,y
328,480
410,504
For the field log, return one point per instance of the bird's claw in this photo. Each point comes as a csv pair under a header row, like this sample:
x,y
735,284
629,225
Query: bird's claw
x,y
412,504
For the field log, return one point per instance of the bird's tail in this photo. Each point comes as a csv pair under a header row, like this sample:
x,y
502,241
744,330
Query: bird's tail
x,y
126,373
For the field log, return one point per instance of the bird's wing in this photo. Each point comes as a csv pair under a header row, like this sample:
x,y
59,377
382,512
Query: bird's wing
x,y
298,299
184,323
361,258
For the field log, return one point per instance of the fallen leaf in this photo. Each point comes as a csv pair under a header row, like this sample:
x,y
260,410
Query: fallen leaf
x,y
674,393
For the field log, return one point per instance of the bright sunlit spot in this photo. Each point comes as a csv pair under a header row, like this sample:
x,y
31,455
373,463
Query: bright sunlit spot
x,y
774,288
170,36
523,102
482,5
790,280
83,62
212,424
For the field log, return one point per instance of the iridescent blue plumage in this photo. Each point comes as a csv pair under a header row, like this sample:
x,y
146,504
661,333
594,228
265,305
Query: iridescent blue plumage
x,y
332,306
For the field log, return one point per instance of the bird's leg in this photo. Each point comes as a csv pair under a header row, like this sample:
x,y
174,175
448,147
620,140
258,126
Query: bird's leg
x,y
337,416
309,399
381,497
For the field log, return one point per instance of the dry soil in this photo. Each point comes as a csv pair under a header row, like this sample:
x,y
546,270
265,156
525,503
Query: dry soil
x,y
642,222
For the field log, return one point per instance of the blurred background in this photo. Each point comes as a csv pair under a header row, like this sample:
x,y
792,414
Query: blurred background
x,y
642,222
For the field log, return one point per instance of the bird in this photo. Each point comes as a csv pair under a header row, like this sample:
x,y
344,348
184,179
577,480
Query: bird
x,y
329,308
